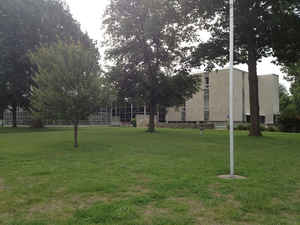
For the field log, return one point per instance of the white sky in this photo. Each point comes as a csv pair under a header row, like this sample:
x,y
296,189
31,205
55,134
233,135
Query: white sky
x,y
89,14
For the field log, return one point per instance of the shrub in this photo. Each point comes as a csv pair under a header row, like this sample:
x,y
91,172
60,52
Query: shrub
x,y
262,128
289,120
133,122
272,129
242,127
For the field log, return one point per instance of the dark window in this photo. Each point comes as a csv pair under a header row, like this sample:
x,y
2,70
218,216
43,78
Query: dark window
x,y
206,81
206,115
262,119
206,104
183,113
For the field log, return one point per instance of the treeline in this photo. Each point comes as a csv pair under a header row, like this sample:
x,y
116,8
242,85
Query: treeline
x,y
152,46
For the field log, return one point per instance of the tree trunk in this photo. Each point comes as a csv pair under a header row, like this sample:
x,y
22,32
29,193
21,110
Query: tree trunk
x,y
76,135
253,91
14,116
151,126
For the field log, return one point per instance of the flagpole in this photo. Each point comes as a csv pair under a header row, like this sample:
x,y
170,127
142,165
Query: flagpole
x,y
231,50
231,88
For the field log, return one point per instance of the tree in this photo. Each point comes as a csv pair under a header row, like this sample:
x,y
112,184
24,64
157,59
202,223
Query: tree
x,y
286,32
293,75
284,98
68,82
24,26
256,26
145,43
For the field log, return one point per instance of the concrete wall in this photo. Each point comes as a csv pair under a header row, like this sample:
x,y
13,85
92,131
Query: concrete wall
x,y
219,98
269,96
142,121
219,95
174,114
194,107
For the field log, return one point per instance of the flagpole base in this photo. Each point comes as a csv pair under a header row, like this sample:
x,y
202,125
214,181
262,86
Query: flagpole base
x,y
232,177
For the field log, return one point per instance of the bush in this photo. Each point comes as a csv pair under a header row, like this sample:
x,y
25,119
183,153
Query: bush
x,y
133,122
242,127
272,129
262,128
247,127
289,120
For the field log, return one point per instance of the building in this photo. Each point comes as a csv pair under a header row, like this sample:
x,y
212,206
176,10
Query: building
x,y
211,103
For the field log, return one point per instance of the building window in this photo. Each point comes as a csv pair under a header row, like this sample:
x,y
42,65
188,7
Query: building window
x,y
183,113
262,119
206,98
206,115
276,119
206,81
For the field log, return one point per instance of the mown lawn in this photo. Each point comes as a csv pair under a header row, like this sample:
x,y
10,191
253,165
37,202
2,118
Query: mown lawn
x,y
125,176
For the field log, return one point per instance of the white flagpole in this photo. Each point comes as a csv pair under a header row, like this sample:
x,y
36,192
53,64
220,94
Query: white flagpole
x,y
231,88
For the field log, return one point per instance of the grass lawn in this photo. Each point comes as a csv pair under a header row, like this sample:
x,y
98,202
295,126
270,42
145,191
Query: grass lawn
x,y
125,176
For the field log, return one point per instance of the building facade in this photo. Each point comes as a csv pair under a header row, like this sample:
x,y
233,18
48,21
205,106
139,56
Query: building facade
x,y
211,103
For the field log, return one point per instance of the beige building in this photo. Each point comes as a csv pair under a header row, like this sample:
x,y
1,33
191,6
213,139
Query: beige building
x,y
211,103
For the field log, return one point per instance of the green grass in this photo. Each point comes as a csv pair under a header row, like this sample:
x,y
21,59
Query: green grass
x,y
125,176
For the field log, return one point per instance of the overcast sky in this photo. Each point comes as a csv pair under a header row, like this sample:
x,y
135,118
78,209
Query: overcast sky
x,y
89,14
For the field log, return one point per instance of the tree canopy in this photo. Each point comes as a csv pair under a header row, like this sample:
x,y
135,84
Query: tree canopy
x,y
24,26
257,25
293,75
145,42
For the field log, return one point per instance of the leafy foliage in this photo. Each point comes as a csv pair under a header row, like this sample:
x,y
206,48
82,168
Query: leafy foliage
x,y
258,24
286,32
68,82
293,74
290,119
24,26
145,39
284,98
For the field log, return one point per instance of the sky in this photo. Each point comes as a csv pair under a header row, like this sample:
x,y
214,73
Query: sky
x,y
89,14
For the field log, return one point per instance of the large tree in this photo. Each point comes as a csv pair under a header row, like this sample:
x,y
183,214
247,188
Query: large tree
x,y
68,82
256,25
293,75
24,25
284,98
145,40
286,31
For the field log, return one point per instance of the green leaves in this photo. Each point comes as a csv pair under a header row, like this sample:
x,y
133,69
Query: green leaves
x,y
67,81
146,43
24,26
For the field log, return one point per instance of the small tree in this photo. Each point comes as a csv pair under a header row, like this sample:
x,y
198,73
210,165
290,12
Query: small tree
x,y
67,82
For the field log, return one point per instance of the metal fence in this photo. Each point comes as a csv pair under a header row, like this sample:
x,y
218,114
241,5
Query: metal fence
x,y
115,114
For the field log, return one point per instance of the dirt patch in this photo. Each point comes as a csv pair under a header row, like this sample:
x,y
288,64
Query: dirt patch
x,y
65,207
152,211
194,205
143,179
86,201
141,189
1,184
57,208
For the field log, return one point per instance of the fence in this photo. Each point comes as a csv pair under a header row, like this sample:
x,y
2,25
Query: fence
x,y
115,114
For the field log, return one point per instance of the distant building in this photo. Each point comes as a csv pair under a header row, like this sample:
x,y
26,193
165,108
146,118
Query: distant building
x,y
211,103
